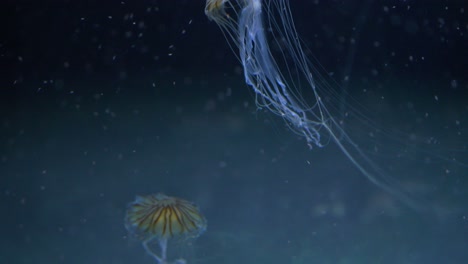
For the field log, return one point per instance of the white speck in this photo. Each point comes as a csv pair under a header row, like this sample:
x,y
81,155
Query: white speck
x,y
222,164
454,83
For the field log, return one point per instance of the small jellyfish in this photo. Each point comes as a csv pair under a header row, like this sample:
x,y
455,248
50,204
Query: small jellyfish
x,y
160,217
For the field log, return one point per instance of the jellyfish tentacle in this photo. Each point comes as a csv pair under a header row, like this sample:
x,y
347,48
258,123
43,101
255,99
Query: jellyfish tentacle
x,y
151,253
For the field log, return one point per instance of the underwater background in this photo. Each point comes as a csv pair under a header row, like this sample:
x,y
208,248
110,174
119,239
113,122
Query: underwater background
x,y
105,100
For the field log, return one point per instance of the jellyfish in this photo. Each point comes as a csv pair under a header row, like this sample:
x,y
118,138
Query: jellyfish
x,y
261,71
292,86
160,217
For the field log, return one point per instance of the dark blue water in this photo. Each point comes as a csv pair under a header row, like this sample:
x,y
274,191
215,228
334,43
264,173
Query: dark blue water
x,y
103,102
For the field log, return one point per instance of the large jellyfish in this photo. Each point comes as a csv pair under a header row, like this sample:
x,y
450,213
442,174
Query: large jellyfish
x,y
289,85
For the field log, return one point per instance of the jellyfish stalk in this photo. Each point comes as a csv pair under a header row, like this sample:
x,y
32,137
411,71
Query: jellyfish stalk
x,y
162,245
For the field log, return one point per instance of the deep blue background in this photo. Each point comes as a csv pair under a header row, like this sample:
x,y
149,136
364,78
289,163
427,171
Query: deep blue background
x,y
104,100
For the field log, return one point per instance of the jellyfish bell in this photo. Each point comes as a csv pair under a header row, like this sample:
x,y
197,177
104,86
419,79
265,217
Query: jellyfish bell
x,y
161,218
287,83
